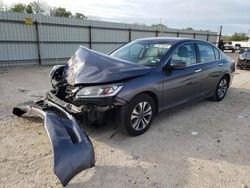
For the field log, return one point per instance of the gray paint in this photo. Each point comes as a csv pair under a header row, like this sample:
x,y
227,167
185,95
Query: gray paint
x,y
176,87
90,67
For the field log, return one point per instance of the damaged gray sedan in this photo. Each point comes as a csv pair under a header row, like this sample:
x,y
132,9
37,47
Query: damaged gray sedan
x,y
127,88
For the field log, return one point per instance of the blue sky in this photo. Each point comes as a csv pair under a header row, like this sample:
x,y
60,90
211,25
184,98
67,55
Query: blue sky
x,y
233,15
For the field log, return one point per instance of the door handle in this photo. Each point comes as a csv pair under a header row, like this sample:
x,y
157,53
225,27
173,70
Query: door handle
x,y
220,64
198,70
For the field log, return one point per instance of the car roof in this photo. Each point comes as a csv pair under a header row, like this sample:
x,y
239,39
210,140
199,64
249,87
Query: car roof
x,y
168,39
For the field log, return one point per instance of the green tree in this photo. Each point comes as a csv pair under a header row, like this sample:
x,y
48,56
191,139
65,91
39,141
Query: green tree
x,y
60,12
80,16
32,8
239,37
226,38
236,37
189,29
29,9
38,7
159,27
18,8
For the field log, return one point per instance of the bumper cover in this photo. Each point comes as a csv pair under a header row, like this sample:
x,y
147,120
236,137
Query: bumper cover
x,y
243,64
72,148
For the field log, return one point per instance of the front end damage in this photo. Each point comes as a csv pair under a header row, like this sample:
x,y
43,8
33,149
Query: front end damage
x,y
72,148
84,93
64,120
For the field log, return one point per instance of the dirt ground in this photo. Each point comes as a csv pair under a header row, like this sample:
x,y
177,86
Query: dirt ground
x,y
203,145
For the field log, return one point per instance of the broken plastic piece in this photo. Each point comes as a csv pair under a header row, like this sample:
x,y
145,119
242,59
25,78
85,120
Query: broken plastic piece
x,y
73,150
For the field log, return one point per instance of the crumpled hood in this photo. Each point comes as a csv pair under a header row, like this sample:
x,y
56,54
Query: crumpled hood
x,y
90,67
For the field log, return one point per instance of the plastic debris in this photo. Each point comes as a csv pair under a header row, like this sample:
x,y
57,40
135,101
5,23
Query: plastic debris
x,y
194,133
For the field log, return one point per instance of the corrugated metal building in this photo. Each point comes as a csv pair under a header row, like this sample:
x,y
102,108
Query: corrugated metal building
x,y
53,40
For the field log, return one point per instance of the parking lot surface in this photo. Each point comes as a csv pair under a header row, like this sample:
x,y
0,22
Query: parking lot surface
x,y
206,144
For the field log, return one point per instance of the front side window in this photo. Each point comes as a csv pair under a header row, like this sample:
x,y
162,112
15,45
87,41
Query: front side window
x,y
206,53
141,52
185,53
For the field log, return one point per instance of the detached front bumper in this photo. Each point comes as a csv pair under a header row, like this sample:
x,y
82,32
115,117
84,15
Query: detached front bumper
x,y
73,150
243,64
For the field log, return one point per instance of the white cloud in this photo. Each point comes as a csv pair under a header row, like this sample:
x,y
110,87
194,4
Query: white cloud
x,y
202,14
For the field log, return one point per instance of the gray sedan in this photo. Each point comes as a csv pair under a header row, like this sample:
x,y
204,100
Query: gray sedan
x,y
129,87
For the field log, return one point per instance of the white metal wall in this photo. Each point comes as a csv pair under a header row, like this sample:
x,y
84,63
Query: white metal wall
x,y
56,39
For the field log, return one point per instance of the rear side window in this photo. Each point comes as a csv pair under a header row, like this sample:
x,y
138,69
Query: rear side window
x,y
207,53
217,54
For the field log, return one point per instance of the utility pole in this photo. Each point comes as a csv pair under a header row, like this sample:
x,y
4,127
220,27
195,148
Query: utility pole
x,y
220,35
159,26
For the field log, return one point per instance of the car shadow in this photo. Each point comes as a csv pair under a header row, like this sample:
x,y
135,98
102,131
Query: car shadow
x,y
181,143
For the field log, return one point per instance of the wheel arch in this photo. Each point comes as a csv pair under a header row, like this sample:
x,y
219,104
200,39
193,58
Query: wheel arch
x,y
228,77
153,96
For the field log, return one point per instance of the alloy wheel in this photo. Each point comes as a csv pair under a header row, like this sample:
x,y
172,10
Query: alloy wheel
x,y
222,89
141,115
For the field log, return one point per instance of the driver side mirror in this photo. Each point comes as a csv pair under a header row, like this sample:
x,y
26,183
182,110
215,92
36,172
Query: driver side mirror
x,y
178,64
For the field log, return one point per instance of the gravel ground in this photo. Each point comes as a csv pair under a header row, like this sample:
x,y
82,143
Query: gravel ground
x,y
203,145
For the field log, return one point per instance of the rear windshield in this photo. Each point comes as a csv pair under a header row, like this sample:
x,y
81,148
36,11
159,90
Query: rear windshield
x,y
144,53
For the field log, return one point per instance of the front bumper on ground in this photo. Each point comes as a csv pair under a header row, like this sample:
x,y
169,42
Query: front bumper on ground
x,y
73,150
243,64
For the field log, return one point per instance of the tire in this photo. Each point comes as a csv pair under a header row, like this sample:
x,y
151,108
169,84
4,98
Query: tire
x,y
135,121
221,89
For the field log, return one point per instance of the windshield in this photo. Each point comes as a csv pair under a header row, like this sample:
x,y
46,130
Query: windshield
x,y
144,53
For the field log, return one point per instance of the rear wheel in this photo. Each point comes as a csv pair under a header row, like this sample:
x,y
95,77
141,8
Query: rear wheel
x,y
221,89
138,115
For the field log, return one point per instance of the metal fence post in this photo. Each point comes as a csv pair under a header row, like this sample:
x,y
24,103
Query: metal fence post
x,y
220,33
194,35
156,33
38,43
90,37
56,49
207,37
129,34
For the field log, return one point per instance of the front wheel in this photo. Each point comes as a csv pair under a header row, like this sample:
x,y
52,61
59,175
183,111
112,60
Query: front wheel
x,y
138,115
221,89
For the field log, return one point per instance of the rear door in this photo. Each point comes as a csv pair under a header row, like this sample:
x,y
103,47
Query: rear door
x,y
212,67
183,85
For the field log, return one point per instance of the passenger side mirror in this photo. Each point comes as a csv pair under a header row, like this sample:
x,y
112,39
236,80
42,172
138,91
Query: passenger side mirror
x,y
178,64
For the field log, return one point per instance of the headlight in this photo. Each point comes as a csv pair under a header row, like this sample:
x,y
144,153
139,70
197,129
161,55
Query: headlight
x,y
99,91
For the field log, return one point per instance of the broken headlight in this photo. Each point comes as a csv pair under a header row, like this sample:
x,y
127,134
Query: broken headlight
x,y
99,91
57,72
241,57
